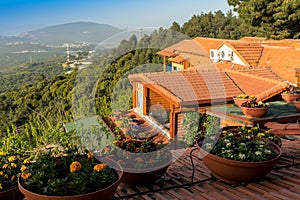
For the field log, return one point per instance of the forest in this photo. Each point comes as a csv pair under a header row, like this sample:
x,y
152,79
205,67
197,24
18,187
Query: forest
x,y
36,101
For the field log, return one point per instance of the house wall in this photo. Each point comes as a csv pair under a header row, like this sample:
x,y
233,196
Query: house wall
x,y
157,99
179,66
235,58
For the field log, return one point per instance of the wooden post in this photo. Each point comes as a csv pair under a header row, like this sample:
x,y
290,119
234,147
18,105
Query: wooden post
x,y
145,96
134,95
165,63
171,117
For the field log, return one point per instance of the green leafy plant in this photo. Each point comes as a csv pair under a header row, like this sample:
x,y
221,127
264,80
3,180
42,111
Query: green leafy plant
x,y
136,153
255,104
67,175
240,147
245,96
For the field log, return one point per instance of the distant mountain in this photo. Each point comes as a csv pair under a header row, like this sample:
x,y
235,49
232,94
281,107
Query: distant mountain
x,y
72,33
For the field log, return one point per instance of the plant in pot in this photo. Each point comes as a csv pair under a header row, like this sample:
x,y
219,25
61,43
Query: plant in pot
x,y
237,158
253,108
291,95
143,161
72,175
10,166
239,99
254,131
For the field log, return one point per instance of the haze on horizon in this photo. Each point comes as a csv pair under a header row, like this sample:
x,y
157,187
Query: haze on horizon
x,y
24,15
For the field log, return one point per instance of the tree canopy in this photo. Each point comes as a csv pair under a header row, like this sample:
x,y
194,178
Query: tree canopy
x,y
276,19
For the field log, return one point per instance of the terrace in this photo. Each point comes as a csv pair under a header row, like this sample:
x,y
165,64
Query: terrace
x,y
192,180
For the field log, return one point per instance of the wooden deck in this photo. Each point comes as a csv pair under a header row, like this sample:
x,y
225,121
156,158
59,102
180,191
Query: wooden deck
x,y
283,182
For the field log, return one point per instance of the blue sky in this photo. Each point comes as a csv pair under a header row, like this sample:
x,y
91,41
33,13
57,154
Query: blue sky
x,y
20,15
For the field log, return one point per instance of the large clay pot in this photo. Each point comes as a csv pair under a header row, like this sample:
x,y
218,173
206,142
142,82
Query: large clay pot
x,y
11,194
239,101
237,172
254,112
105,193
145,176
297,104
290,97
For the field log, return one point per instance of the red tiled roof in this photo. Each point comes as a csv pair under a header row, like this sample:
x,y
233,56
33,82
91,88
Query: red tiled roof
x,y
282,61
185,46
192,87
178,59
259,86
250,52
166,53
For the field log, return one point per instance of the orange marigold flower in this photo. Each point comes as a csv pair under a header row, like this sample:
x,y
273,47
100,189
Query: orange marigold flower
x,y
1,173
13,177
75,166
23,168
99,167
5,166
2,153
139,160
90,155
6,176
12,158
26,175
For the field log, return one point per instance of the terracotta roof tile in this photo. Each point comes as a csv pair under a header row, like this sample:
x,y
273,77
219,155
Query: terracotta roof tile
x,y
254,85
282,61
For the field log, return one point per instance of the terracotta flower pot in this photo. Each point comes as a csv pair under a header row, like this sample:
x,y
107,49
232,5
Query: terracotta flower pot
x,y
254,112
239,101
145,176
11,194
290,97
297,104
237,172
105,193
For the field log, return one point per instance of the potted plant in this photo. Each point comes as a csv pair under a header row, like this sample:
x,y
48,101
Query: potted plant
x,y
143,160
254,131
69,176
291,95
10,166
238,100
236,158
253,108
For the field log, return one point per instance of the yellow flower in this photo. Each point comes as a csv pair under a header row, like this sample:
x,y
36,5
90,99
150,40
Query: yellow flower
x,y
1,186
23,168
13,165
90,155
26,161
12,158
5,166
26,175
2,153
13,177
75,166
99,167
6,176
1,173
260,134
